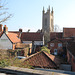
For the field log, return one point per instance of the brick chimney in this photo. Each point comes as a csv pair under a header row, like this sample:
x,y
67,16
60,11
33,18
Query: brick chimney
x,y
5,29
20,30
1,27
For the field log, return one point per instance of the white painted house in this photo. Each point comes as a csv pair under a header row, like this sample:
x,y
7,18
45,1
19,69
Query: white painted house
x,y
8,40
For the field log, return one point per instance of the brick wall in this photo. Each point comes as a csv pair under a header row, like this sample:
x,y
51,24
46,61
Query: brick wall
x,y
55,46
73,63
71,60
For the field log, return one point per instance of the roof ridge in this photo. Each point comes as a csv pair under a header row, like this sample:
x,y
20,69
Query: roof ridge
x,y
32,55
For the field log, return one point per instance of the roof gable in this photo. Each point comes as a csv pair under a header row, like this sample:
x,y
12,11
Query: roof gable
x,y
4,36
12,37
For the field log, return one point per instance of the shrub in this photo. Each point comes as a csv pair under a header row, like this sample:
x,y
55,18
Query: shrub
x,y
9,60
44,48
4,62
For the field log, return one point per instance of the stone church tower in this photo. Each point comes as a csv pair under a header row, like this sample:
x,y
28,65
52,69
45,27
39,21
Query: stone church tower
x,y
47,24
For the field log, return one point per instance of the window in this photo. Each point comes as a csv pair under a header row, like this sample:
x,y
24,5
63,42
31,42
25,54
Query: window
x,y
59,44
52,44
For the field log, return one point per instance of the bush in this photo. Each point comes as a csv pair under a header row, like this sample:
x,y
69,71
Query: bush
x,y
14,62
44,48
9,60
4,63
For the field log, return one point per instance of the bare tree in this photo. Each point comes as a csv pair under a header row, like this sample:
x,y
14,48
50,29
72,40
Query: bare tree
x,y
4,15
57,28
28,30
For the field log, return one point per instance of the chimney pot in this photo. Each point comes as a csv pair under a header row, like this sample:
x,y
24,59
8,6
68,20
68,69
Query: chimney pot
x,y
5,29
5,26
20,30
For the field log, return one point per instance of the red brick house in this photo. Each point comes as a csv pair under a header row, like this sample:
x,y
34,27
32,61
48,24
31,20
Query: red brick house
x,y
71,54
60,38
43,60
55,46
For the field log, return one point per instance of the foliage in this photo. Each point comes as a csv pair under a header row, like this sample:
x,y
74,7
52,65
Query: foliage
x,y
44,48
7,61
57,28
26,65
4,62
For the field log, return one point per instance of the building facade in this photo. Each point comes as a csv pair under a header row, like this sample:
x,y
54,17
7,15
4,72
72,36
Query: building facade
x,y
55,46
8,40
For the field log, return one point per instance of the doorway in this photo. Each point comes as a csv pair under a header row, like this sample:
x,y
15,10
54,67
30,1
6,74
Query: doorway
x,y
55,52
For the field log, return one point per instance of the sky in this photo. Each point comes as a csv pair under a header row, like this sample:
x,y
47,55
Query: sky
x,y
27,14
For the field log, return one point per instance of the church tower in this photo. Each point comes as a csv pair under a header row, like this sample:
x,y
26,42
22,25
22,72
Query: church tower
x,y
47,24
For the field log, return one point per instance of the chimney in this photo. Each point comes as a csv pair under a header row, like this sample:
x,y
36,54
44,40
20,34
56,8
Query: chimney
x,y
1,27
20,30
5,29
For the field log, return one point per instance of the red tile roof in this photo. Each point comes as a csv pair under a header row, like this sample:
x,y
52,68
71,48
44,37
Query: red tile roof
x,y
42,59
17,32
54,35
71,47
13,37
56,60
68,32
29,36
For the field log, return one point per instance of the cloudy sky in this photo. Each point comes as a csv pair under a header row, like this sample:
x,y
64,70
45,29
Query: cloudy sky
x,y
27,14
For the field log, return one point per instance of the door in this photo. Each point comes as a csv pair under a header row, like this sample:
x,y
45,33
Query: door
x,y
55,52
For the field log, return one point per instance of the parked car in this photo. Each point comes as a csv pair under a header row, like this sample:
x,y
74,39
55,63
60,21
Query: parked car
x,y
20,57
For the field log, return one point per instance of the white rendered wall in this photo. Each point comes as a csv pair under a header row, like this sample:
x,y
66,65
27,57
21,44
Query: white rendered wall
x,y
27,42
5,43
35,42
38,42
